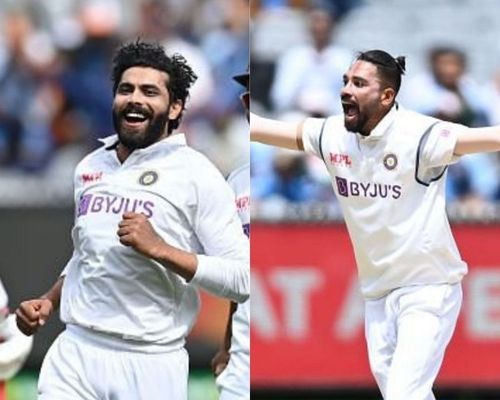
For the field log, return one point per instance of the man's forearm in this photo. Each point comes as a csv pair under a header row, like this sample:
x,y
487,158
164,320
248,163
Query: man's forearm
x,y
54,293
220,276
478,140
176,260
275,133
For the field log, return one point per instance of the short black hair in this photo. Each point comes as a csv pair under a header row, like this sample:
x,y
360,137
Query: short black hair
x,y
144,54
390,69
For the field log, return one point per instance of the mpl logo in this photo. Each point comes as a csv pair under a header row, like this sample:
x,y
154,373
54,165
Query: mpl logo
x,y
91,177
242,203
340,160
347,188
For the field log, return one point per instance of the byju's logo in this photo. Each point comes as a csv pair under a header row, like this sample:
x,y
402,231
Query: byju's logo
x,y
112,204
347,188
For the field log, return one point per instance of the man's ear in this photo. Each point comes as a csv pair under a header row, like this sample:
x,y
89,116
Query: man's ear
x,y
175,109
388,96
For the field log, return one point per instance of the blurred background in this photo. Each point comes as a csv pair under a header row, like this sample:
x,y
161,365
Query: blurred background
x,y
307,313
55,102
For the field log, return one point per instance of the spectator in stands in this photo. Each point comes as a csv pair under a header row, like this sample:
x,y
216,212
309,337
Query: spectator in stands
x,y
309,76
85,79
226,49
288,179
30,96
157,21
447,93
10,137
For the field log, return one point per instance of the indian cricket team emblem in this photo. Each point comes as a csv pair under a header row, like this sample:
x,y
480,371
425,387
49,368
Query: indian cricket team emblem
x,y
390,161
148,178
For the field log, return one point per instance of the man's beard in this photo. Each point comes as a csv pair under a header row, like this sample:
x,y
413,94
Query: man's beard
x,y
132,138
356,125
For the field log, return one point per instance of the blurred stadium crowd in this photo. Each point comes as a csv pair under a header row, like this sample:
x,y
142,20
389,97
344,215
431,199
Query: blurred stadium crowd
x,y
300,50
55,89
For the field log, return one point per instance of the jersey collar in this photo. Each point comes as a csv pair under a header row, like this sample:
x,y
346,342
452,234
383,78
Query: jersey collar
x,y
110,142
382,126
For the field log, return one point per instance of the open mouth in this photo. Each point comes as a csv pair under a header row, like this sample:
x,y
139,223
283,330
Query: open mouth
x,y
134,117
351,110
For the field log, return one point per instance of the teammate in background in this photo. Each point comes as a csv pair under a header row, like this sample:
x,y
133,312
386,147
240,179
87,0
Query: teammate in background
x,y
14,346
388,168
231,365
155,221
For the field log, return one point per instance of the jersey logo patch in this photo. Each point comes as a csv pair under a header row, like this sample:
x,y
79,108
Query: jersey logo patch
x,y
91,177
148,178
445,133
98,204
340,160
346,188
390,161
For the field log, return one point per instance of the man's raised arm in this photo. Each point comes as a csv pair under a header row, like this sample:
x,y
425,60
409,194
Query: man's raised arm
x,y
276,133
478,140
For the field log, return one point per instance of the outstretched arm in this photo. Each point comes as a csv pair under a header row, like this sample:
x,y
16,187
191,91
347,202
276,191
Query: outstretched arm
x,y
276,133
478,140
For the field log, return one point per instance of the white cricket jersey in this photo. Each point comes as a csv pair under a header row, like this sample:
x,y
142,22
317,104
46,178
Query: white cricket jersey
x,y
391,187
4,310
3,297
112,288
237,378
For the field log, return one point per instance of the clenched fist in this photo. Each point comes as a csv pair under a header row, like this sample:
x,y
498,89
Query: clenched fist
x,y
136,231
32,314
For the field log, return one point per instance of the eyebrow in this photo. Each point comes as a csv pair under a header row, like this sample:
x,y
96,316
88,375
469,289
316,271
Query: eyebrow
x,y
355,77
144,86
150,86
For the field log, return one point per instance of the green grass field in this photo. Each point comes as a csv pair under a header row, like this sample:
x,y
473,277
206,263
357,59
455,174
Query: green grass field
x,y
23,386
202,387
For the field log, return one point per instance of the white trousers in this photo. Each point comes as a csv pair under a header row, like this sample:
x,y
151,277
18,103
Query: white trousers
x,y
407,332
234,382
77,367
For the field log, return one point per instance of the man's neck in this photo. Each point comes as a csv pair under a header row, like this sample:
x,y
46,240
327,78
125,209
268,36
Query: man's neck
x,y
371,125
122,152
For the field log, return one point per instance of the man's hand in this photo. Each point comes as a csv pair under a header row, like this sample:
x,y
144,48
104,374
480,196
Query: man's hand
x,y
136,231
32,314
219,362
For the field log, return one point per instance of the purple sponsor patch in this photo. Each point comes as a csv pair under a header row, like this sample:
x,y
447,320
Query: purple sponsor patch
x,y
342,186
83,205
347,188
90,204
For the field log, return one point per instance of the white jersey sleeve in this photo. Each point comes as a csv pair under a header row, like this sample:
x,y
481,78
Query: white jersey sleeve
x,y
239,181
14,346
435,150
4,310
312,130
224,270
3,297
436,147
78,188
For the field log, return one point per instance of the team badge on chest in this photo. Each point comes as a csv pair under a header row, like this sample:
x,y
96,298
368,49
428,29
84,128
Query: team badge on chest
x,y
148,178
390,161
